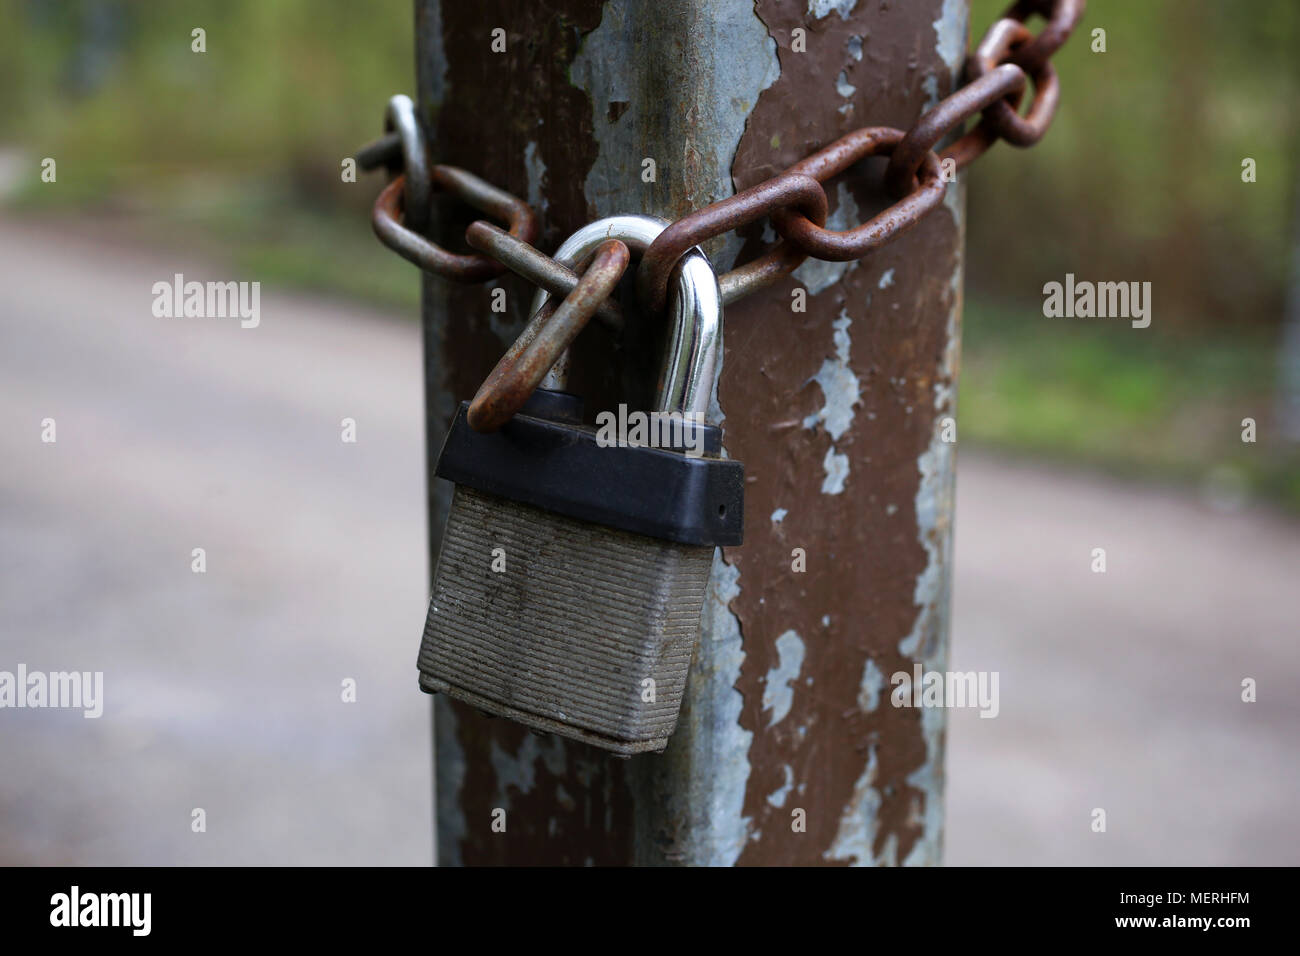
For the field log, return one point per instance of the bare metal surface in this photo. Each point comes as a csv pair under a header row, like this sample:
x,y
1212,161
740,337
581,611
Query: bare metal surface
x,y
691,361
400,118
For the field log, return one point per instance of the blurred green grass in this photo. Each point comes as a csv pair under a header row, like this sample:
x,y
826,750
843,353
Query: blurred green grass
x,y
236,151
1139,175
1145,403
323,249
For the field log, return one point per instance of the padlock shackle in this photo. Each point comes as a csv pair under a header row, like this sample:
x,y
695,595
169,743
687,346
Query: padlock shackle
x,y
690,364
690,367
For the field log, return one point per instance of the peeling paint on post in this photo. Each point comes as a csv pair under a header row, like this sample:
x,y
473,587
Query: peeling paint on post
x,y
836,412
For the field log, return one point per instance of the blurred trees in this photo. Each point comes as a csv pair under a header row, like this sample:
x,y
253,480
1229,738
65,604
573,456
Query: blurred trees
x,y
1139,177
286,88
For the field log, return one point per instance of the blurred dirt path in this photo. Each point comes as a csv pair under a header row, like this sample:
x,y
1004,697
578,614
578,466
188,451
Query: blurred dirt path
x,y
1123,690
223,689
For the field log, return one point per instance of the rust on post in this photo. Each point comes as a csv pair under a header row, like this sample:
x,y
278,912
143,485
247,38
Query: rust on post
x,y
871,367
516,120
787,749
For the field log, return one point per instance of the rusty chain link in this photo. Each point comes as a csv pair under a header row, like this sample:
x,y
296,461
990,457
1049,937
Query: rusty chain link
x,y
789,190
1007,60
544,339
523,258
485,197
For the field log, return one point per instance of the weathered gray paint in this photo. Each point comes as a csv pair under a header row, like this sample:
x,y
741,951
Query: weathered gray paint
x,y
679,81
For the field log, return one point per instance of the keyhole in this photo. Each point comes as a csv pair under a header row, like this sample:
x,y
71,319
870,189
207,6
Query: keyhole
x,y
722,511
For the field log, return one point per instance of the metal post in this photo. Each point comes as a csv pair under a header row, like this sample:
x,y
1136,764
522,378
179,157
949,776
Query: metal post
x,y
788,749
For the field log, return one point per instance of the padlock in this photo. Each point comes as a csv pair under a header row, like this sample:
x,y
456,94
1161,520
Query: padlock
x,y
572,574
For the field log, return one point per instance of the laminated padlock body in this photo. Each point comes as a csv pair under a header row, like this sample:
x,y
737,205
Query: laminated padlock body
x,y
572,575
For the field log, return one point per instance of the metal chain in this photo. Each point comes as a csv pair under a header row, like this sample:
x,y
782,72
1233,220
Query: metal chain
x,y
545,338
1008,58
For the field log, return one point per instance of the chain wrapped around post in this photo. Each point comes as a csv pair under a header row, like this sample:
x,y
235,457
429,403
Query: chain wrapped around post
x,y
1005,62
544,339
541,270
401,213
